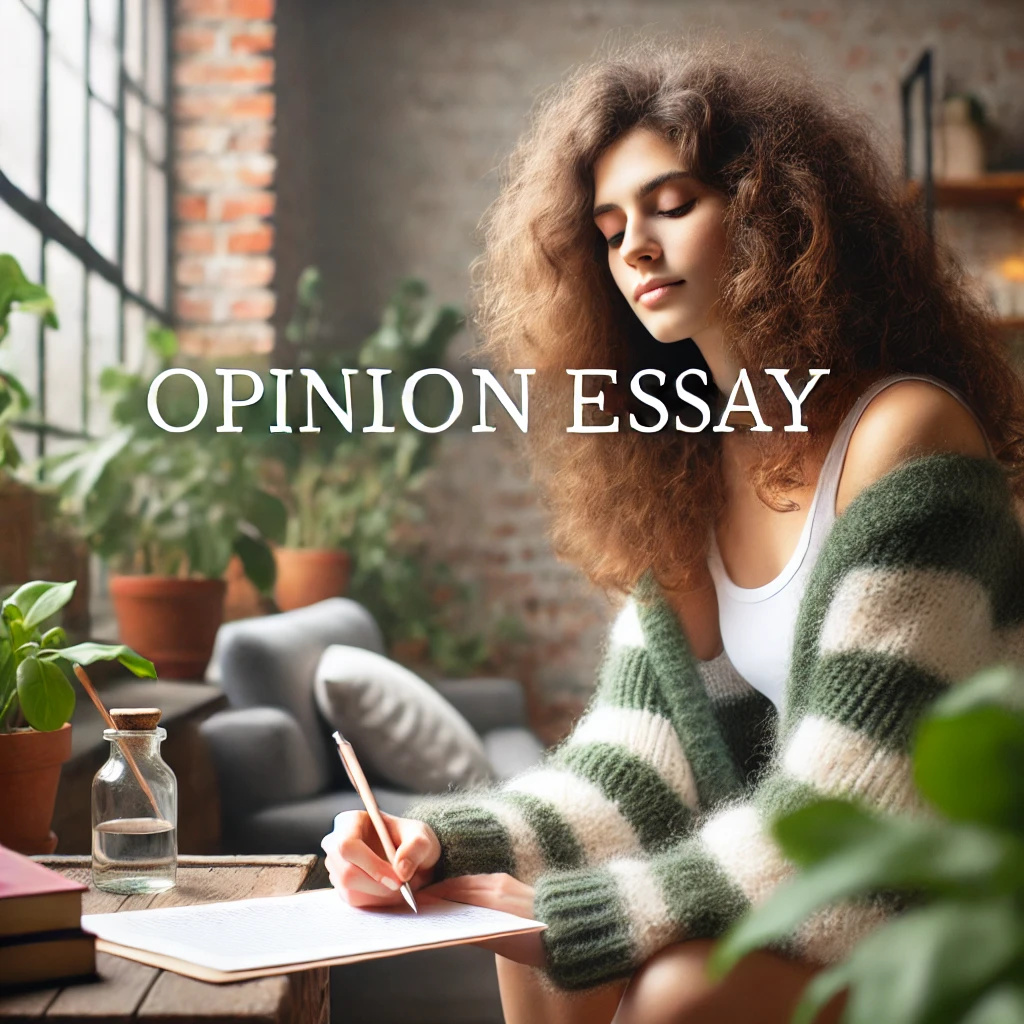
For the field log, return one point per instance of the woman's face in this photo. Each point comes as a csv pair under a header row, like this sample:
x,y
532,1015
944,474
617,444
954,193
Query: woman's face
x,y
664,228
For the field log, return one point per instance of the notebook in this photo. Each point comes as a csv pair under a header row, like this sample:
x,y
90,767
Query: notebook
x,y
242,939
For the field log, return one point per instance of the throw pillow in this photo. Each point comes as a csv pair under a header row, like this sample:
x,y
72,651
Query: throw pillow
x,y
402,729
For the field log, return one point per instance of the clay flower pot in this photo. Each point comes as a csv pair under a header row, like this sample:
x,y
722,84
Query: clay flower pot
x,y
30,763
308,575
171,621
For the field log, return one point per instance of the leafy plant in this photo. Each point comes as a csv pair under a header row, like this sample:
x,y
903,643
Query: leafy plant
x,y
169,504
17,294
31,680
955,955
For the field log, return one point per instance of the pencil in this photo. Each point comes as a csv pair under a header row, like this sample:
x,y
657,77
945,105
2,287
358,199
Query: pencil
x,y
362,787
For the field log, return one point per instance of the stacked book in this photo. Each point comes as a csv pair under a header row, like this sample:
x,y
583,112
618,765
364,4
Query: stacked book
x,y
41,940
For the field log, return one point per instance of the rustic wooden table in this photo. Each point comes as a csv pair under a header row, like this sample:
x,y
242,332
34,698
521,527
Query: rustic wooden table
x,y
130,991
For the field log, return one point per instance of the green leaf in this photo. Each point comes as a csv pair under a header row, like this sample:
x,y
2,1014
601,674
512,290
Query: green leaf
x,y
53,637
925,967
268,514
38,600
969,753
891,854
257,560
87,653
47,698
1003,1005
163,341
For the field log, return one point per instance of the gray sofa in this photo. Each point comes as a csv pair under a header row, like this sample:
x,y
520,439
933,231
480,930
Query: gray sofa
x,y
281,784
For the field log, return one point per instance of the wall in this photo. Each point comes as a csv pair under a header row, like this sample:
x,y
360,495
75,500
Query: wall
x,y
393,117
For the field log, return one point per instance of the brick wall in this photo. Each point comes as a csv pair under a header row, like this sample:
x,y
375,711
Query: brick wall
x,y
224,199
393,118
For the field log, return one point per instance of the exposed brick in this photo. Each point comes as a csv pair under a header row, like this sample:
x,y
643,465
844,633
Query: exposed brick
x,y
254,204
224,71
255,240
256,39
202,138
244,272
203,172
190,270
191,207
190,39
194,240
254,10
252,138
194,309
226,340
202,8
224,106
257,306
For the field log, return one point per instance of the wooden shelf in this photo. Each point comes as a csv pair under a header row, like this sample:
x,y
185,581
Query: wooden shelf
x,y
1001,188
1011,323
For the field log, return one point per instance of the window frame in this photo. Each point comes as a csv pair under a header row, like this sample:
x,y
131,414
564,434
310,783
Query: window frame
x,y
53,229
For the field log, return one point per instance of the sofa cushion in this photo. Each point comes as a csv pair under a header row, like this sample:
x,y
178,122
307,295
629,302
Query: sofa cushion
x,y
402,729
511,751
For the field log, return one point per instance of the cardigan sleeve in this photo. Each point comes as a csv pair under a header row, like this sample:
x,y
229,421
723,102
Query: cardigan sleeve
x,y
916,589
628,780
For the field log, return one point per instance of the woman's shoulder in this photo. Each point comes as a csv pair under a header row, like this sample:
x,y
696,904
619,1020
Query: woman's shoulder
x,y
909,419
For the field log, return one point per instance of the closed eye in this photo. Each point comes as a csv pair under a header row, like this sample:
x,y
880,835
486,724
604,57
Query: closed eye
x,y
678,211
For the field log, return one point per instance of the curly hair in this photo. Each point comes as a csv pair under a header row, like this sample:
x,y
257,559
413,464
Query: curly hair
x,y
828,264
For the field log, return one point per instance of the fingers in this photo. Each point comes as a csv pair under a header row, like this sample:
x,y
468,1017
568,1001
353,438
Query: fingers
x,y
351,862
417,848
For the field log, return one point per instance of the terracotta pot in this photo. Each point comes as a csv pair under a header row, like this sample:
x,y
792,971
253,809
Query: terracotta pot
x,y
30,764
171,621
308,575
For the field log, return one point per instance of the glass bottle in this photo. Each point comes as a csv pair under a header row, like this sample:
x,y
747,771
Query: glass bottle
x,y
134,808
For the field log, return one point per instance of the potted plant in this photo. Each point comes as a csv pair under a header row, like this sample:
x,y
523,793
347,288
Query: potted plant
x,y
36,702
328,480
18,501
167,511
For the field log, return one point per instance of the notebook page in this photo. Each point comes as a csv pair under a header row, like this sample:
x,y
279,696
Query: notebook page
x,y
277,930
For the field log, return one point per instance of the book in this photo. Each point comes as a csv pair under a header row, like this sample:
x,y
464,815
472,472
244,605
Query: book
x,y
55,956
35,899
254,938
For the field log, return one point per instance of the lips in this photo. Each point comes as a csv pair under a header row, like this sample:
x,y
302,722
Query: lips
x,y
651,292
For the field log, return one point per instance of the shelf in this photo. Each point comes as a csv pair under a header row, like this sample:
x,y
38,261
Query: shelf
x,y
1011,323
1000,188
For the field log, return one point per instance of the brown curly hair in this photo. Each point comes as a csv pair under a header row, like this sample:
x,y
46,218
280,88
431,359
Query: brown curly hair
x,y
828,264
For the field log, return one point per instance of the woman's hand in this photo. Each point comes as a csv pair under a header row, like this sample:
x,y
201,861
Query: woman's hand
x,y
498,892
358,867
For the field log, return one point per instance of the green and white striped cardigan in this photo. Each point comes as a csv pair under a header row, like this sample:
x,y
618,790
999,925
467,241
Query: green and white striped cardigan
x,y
648,825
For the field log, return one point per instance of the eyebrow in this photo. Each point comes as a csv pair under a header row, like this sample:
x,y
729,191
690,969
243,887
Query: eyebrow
x,y
645,190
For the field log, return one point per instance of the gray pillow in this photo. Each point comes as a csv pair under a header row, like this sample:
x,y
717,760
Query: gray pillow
x,y
401,728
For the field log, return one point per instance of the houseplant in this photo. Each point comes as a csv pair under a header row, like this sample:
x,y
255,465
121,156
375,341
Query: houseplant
x,y
167,511
36,702
333,480
18,502
956,953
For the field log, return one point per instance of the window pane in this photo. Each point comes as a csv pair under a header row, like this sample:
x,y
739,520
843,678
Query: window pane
x,y
155,51
133,112
66,156
18,352
103,14
103,65
103,180
66,19
156,235
133,39
133,170
134,337
65,279
156,135
104,314
21,55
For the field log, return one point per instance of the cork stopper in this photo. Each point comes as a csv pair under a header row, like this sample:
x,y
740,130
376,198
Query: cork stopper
x,y
135,718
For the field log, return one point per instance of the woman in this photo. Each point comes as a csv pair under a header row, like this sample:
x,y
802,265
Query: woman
x,y
792,595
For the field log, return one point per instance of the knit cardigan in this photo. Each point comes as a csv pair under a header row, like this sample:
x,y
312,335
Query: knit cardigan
x,y
650,823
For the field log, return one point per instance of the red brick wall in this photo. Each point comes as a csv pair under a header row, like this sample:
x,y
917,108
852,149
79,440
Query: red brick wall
x,y
224,198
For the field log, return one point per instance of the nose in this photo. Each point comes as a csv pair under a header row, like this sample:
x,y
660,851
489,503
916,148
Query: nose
x,y
638,243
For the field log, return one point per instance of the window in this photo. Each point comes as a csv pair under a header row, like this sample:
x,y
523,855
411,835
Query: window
x,y
84,196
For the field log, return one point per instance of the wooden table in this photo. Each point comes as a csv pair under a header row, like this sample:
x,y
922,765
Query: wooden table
x,y
130,991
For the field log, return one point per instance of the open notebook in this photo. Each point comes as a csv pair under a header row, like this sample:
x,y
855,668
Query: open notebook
x,y
244,939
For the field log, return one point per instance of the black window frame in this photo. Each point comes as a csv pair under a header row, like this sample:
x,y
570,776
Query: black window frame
x,y
54,229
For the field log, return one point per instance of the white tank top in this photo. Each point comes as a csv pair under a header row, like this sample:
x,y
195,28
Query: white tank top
x,y
758,624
